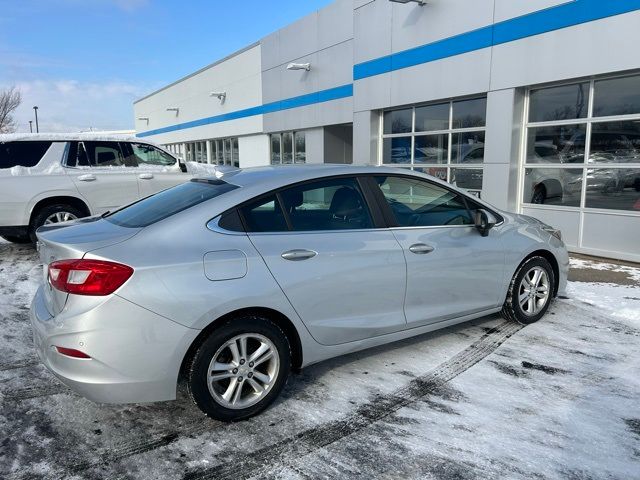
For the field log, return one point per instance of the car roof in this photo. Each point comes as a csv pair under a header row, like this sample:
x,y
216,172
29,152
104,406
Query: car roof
x,y
276,176
67,137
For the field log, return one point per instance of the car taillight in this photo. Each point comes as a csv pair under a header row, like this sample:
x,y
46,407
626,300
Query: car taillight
x,y
88,277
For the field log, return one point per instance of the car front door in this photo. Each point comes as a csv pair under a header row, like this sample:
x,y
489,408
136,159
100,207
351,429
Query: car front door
x,y
452,270
102,175
157,170
343,275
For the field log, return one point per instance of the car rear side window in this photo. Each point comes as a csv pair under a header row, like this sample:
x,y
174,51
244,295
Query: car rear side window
x,y
23,154
168,202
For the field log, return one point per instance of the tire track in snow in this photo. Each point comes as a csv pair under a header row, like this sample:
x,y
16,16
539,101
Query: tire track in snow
x,y
17,364
290,450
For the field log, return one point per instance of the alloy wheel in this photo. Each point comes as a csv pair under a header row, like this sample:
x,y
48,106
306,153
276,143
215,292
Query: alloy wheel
x,y
59,217
243,370
534,291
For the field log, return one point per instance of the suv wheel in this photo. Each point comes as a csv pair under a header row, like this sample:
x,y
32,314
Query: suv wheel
x,y
240,369
53,214
530,292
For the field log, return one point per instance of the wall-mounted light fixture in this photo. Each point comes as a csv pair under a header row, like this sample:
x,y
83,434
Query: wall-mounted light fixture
x,y
299,66
422,3
222,96
174,109
144,119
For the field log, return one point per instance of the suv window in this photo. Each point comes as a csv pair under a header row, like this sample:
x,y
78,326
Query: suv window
x,y
148,155
23,154
97,154
168,202
418,203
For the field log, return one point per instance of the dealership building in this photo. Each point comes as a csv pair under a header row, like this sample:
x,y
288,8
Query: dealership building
x,y
533,105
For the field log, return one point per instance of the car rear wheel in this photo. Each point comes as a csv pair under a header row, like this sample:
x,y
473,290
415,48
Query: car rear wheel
x,y
530,292
52,214
240,369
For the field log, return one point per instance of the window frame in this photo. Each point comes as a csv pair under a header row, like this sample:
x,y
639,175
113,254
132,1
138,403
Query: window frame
x,y
588,121
380,211
448,132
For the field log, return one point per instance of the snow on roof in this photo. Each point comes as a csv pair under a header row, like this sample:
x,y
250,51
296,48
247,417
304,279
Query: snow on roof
x,y
66,137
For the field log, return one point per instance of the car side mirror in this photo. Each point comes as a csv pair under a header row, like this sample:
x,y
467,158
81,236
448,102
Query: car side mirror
x,y
182,165
485,221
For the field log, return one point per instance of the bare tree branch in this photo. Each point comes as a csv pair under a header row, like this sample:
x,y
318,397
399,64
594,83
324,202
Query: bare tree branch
x,y
10,99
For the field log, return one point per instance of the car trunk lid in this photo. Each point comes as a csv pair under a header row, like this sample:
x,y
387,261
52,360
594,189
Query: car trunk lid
x,y
73,241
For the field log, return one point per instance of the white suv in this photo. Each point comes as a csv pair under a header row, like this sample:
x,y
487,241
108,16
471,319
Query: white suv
x,y
50,178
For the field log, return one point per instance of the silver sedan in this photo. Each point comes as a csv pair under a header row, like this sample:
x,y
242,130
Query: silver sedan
x,y
232,282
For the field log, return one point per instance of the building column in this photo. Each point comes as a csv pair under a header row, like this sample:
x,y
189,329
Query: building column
x,y
505,110
209,155
366,137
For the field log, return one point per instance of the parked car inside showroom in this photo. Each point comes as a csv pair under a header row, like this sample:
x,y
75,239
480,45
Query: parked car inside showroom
x,y
230,282
49,178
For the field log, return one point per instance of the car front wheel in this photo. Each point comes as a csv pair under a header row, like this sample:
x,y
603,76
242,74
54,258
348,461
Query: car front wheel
x,y
240,369
53,214
530,292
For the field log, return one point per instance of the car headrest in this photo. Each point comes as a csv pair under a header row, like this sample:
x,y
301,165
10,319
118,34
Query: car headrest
x,y
346,203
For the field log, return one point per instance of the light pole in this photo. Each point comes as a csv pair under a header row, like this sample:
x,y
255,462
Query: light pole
x,y
31,126
35,109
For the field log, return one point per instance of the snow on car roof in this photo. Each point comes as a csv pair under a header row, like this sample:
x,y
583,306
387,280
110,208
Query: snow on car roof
x,y
66,137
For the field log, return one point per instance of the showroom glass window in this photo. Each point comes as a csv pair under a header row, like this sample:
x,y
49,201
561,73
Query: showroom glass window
x,y
288,147
443,139
582,145
222,151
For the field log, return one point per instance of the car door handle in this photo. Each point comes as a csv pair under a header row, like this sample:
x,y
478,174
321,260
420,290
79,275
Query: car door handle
x,y
89,177
421,248
297,255
146,176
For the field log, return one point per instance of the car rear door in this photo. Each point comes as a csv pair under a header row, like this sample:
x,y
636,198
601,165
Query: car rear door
x,y
452,270
102,175
157,170
342,272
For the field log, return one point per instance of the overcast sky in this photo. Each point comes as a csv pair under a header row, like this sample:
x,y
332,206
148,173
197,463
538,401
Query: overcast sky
x,y
84,62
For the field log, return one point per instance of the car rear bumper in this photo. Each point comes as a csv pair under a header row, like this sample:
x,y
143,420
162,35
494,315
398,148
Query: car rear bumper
x,y
14,231
135,354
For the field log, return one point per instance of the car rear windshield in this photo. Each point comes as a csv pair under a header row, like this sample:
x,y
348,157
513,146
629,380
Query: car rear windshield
x,y
23,154
168,202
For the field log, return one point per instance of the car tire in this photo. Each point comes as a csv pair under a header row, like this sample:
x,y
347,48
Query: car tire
x,y
40,218
18,239
215,374
539,195
530,295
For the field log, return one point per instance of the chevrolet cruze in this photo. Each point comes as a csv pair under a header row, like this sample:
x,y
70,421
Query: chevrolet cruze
x,y
231,282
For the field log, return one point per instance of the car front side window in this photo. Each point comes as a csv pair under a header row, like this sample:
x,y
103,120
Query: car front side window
x,y
149,155
418,203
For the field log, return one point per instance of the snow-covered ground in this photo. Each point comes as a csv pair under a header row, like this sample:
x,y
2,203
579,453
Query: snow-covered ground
x,y
486,399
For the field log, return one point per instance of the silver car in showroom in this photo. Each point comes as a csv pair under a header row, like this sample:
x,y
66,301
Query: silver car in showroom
x,y
231,282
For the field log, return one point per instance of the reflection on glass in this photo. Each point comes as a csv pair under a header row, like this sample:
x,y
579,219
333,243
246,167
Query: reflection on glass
x,y
553,186
613,189
236,153
439,172
469,178
470,113
276,156
227,151
301,148
618,96
398,121
219,152
615,142
396,150
432,117
557,144
431,149
559,103
287,147
467,147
